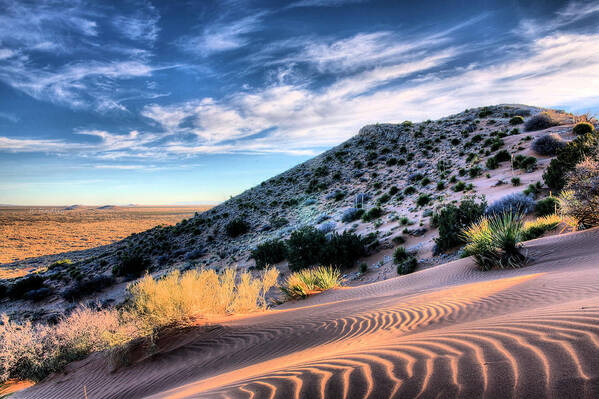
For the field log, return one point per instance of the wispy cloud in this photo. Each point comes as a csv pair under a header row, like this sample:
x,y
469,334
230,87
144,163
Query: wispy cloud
x,y
141,26
324,3
224,35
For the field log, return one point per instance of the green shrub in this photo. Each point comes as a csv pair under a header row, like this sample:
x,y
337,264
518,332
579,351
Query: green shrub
x,y
372,213
515,181
269,253
549,144
409,190
540,226
237,227
305,247
440,185
583,128
61,262
342,250
492,163
451,220
475,171
516,120
460,186
527,164
425,181
423,199
503,156
567,158
406,263
132,263
546,206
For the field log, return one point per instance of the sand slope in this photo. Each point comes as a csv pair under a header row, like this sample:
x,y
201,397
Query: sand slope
x,y
449,331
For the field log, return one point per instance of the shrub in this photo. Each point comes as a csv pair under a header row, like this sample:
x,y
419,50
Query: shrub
x,y
459,186
539,121
87,287
236,227
423,199
582,128
567,158
269,253
538,227
305,247
351,214
372,213
546,206
311,281
548,145
21,288
132,263
495,241
475,171
525,163
492,163
503,156
440,185
406,263
515,181
61,262
517,203
342,250
409,190
451,220
516,120
580,199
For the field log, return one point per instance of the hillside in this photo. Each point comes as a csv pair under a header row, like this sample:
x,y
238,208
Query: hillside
x,y
405,169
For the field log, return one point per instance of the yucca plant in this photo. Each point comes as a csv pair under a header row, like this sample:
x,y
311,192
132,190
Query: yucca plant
x,y
310,281
495,241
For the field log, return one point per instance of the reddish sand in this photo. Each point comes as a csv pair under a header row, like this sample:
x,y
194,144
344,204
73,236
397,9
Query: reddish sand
x,y
444,332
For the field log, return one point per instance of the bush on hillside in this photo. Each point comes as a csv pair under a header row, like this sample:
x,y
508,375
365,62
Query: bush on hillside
x,y
343,250
87,286
269,253
567,158
406,262
525,163
546,206
517,203
548,145
452,219
237,227
536,228
132,263
516,120
580,199
305,247
539,122
373,213
582,128
351,214
22,287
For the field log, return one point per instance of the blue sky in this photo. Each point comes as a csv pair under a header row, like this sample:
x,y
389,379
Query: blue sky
x,y
191,102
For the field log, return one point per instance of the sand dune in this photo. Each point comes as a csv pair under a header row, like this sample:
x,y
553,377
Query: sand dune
x,y
449,331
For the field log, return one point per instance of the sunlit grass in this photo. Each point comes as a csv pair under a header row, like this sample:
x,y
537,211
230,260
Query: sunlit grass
x,y
311,281
538,227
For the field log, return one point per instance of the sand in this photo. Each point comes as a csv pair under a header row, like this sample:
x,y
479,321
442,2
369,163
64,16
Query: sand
x,y
444,332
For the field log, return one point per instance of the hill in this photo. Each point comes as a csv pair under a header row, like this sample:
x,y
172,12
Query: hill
x,y
383,184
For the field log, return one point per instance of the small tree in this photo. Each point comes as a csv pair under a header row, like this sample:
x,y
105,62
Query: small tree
x,y
580,199
305,247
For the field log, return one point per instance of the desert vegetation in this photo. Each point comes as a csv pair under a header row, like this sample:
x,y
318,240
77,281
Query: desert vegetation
x,y
32,351
306,282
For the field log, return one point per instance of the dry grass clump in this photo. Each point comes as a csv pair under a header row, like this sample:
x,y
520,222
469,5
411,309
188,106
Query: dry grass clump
x,y
311,281
538,227
31,352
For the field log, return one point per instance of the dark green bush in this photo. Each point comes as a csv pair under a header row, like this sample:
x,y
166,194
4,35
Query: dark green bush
x,y
567,158
582,128
451,219
539,122
492,163
546,206
237,227
503,156
423,199
407,266
269,253
372,213
515,181
132,263
548,145
525,163
440,185
459,186
343,250
305,248
21,287
409,190
86,287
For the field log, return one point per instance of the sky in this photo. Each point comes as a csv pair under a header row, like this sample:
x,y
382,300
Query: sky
x,y
191,102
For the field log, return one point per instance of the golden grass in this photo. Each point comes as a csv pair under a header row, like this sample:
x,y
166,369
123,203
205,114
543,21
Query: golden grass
x,y
311,281
29,232
31,352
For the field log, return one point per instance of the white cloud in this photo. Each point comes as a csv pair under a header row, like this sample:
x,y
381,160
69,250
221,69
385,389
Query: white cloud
x,y
141,26
324,3
222,35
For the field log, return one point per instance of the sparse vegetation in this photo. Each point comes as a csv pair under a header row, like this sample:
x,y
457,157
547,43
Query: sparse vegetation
x,y
548,145
540,121
132,263
452,219
540,226
580,199
546,206
582,128
574,152
236,227
406,262
516,120
517,203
